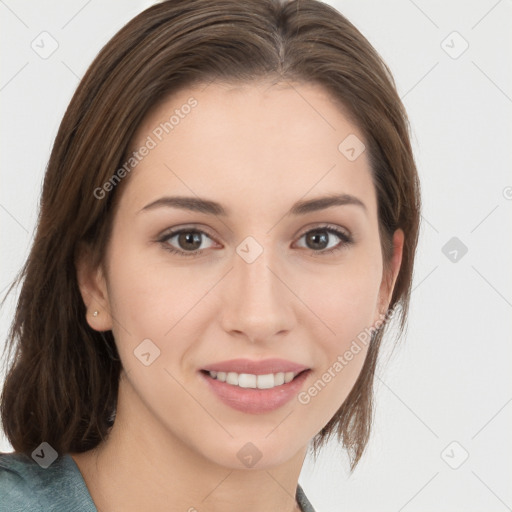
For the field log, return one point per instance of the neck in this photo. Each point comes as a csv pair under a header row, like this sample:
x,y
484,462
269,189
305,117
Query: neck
x,y
143,465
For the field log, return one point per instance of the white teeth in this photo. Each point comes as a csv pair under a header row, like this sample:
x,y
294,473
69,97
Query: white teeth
x,y
266,381
248,380
245,380
232,378
279,378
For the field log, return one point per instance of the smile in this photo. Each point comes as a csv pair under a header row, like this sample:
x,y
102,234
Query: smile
x,y
249,380
276,391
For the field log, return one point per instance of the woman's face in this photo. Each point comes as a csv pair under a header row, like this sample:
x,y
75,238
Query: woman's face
x,y
270,282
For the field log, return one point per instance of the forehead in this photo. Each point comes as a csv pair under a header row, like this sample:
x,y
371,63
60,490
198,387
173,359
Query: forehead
x,y
257,142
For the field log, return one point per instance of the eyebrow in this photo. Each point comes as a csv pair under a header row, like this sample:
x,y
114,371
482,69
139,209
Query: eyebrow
x,y
197,204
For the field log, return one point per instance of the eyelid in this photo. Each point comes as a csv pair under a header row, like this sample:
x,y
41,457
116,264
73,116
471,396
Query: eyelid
x,y
172,232
342,233
325,226
195,227
345,239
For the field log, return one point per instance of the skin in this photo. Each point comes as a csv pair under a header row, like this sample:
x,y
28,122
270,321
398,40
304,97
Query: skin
x,y
256,149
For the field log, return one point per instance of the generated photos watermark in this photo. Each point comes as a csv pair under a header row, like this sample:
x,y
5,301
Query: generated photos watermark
x,y
364,337
150,143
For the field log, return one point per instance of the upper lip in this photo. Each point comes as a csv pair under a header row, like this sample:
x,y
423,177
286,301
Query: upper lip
x,y
263,367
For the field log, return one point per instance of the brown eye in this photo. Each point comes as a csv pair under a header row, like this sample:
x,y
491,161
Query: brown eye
x,y
318,240
187,240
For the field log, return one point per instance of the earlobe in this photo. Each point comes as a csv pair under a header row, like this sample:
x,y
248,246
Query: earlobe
x,y
93,288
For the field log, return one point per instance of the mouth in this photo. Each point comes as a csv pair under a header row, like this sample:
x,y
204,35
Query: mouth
x,y
253,381
251,393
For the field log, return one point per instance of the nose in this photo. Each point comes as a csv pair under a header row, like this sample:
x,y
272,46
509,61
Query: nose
x,y
259,305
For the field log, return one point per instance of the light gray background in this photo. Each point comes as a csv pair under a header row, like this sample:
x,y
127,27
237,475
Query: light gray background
x,y
450,380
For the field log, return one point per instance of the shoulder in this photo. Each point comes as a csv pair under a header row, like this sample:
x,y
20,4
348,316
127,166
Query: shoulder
x,y
25,485
16,477
303,501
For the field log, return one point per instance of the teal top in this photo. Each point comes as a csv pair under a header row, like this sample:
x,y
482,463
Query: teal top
x,y
26,486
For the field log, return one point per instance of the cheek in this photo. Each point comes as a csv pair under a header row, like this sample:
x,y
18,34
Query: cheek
x,y
346,307
345,300
341,362
143,301
149,299
156,300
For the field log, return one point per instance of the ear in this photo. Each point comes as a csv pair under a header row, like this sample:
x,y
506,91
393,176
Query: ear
x,y
389,277
93,288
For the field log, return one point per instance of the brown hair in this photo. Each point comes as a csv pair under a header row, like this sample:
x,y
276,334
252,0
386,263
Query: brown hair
x,y
61,386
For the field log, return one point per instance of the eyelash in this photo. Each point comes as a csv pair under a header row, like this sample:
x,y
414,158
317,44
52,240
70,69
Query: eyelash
x,y
346,240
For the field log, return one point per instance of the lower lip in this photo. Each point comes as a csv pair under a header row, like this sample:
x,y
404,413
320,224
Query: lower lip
x,y
255,401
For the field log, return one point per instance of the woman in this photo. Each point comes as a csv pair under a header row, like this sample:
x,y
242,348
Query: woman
x,y
150,375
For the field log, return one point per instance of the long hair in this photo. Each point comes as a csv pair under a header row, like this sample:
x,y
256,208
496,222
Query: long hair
x,y
62,381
